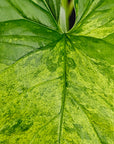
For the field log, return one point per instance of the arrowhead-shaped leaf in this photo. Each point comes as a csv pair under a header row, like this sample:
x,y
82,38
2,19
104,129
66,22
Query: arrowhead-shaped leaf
x,y
56,87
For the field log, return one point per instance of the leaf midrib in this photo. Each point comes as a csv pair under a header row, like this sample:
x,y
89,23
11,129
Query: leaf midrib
x,y
64,91
64,96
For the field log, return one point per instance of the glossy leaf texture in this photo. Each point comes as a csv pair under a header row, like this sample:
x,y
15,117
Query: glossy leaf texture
x,y
54,6
56,88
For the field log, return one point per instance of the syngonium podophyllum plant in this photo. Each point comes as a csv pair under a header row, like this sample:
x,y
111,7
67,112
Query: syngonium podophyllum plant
x,y
56,86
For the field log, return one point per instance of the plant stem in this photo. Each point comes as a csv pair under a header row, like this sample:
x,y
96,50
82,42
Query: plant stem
x,y
66,10
69,9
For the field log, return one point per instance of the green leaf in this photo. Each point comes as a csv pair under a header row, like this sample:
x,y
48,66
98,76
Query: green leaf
x,y
95,19
55,7
32,10
56,87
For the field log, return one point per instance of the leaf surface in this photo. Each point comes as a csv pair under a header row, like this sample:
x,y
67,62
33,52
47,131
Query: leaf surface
x,y
54,5
56,87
